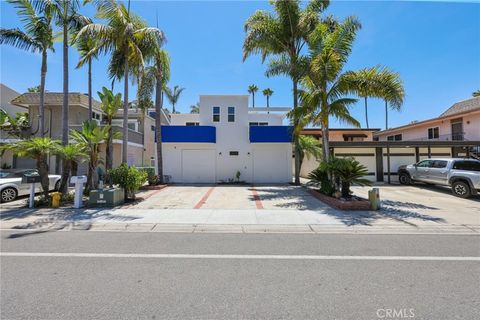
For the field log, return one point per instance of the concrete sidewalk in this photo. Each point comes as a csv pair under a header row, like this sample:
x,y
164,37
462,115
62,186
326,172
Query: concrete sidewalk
x,y
245,221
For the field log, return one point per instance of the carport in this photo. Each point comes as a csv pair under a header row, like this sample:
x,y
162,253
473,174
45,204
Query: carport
x,y
382,158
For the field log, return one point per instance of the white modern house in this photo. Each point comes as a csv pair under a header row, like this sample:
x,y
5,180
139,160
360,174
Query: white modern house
x,y
227,137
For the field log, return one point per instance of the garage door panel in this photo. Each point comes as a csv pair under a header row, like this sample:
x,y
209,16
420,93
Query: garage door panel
x,y
270,165
198,166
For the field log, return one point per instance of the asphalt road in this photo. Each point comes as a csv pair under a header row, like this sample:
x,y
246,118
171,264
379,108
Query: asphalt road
x,y
109,275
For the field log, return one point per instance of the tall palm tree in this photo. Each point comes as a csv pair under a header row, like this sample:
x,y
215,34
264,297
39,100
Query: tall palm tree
x,y
34,89
326,87
476,93
84,45
252,89
283,34
268,93
89,138
37,37
127,37
37,148
173,95
111,103
157,76
380,82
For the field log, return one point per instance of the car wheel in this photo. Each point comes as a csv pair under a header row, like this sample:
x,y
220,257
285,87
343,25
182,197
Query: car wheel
x,y
8,194
461,189
404,178
57,185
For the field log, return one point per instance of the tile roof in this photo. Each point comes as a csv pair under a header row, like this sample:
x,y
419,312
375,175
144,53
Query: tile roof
x,y
54,98
463,106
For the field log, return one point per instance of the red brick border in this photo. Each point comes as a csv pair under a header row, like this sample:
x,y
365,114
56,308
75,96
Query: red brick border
x,y
204,198
256,197
140,199
341,204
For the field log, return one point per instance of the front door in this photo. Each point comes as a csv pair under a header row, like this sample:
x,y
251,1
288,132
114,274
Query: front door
x,y
457,129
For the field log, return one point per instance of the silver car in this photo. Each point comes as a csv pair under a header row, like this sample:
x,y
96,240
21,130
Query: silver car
x,y
11,185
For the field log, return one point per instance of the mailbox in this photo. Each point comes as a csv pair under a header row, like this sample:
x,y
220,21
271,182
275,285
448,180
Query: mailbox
x,y
78,179
31,177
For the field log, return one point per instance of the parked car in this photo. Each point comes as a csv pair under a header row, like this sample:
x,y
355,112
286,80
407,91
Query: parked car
x,y
462,175
11,185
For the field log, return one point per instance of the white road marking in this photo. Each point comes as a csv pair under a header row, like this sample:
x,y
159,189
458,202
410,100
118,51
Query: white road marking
x,y
232,256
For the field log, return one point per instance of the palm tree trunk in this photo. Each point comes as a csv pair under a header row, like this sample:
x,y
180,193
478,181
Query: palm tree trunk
x,y
65,86
386,115
253,99
158,126
41,107
43,172
67,167
295,136
366,112
108,151
125,111
268,103
173,108
90,111
325,142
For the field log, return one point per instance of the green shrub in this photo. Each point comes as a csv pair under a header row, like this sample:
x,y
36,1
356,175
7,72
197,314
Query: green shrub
x,y
152,178
319,178
128,178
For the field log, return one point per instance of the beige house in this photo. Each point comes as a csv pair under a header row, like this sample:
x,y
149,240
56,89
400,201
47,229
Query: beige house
x,y
141,128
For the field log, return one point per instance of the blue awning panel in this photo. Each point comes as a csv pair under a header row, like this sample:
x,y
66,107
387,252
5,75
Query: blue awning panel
x,y
270,134
193,134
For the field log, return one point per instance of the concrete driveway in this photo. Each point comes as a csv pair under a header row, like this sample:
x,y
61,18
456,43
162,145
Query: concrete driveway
x,y
231,197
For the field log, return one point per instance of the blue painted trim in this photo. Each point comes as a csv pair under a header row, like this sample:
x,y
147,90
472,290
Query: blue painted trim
x,y
193,134
270,134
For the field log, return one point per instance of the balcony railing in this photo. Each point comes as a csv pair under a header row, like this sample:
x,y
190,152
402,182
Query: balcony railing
x,y
444,137
133,136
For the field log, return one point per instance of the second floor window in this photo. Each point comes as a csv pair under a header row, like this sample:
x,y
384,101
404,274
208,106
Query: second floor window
x,y
397,137
231,114
216,114
433,133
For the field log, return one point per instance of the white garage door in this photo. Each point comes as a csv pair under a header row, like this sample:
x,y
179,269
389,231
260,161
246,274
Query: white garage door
x,y
198,166
270,165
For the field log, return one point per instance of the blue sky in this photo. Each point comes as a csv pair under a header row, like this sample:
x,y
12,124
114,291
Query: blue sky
x,y
435,46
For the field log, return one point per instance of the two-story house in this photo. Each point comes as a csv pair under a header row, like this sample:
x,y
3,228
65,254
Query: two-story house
x,y
227,137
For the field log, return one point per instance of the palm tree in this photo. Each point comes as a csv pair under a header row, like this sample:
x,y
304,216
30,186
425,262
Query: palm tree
x,y
37,148
476,93
309,147
380,82
15,126
173,95
70,154
37,37
111,103
155,78
35,89
89,139
267,93
283,35
195,108
326,87
252,89
128,38
84,45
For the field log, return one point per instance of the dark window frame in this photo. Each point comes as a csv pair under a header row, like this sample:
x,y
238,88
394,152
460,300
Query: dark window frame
x,y
216,114
433,133
231,114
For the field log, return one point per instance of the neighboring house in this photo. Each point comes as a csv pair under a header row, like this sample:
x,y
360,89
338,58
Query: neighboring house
x,y
459,122
227,137
140,137
6,96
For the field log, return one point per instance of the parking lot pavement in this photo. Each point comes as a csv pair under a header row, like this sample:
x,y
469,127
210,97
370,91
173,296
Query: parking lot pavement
x,y
429,204
174,197
276,197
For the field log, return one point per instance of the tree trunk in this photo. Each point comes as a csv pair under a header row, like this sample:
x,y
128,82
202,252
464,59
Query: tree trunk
x,y
366,112
253,99
67,167
325,142
295,136
90,112
108,151
125,111
345,189
65,86
386,115
268,102
41,107
74,168
158,125
42,167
